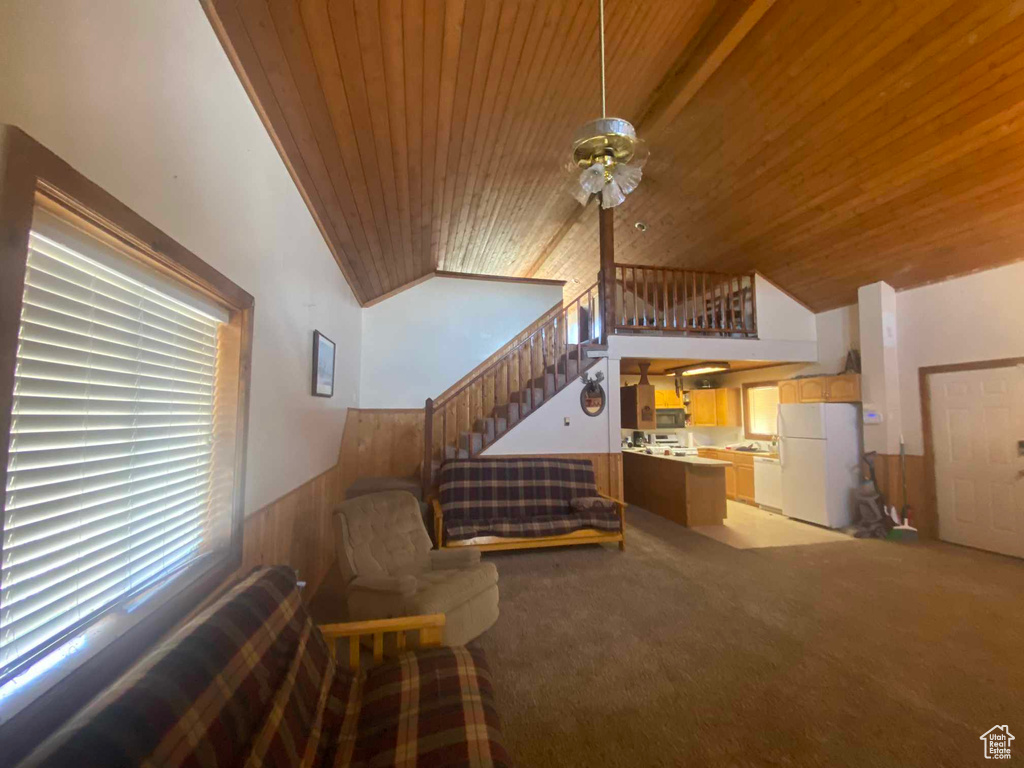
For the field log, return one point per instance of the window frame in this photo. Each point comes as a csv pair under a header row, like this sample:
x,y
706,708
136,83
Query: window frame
x,y
32,176
747,420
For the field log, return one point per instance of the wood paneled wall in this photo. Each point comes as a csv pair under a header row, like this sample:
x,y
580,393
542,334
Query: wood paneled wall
x,y
381,442
887,471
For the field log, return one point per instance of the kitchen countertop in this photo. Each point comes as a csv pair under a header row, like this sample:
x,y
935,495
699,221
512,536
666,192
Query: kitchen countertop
x,y
682,459
765,454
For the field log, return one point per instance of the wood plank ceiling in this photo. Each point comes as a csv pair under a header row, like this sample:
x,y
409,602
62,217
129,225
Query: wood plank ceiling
x,y
826,144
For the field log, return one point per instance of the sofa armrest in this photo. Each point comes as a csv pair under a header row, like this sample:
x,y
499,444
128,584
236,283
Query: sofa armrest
x,y
397,585
429,626
447,559
622,510
435,504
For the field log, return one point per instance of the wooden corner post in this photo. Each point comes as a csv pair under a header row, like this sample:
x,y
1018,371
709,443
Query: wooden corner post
x,y
606,283
427,470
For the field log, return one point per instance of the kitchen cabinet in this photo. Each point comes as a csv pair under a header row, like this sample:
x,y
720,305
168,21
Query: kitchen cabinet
x,y
739,475
716,407
789,392
745,483
703,407
638,409
728,411
667,398
811,390
844,388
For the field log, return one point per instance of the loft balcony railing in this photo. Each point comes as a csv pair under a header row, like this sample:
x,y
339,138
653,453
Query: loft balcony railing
x,y
667,300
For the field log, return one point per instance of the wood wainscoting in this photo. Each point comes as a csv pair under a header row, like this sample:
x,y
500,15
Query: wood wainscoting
x,y
890,480
381,442
296,530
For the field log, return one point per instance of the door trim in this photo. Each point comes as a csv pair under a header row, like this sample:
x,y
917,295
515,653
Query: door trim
x,y
930,489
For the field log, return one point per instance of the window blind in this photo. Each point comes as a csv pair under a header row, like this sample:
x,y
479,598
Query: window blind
x,y
111,445
763,406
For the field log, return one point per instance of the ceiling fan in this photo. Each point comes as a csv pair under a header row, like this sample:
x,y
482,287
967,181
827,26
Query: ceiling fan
x,y
607,156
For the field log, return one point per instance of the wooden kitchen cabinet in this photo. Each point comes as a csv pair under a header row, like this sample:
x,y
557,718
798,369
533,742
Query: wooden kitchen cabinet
x,y
667,398
843,389
638,409
730,481
703,408
744,483
811,390
728,410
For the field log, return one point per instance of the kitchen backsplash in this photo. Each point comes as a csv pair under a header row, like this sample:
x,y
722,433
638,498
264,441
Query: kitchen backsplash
x,y
698,436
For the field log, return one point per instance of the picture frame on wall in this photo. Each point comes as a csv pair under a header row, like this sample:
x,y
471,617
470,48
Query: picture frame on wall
x,y
323,365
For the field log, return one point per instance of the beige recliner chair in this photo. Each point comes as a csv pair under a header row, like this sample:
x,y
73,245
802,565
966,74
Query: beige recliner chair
x,y
389,568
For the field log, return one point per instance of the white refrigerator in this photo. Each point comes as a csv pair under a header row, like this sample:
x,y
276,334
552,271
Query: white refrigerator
x,y
819,450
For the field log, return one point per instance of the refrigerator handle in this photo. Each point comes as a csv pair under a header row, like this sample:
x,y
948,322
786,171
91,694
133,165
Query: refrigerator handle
x,y
778,432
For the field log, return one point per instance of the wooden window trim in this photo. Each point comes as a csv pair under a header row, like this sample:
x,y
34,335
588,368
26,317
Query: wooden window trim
x,y
31,176
746,409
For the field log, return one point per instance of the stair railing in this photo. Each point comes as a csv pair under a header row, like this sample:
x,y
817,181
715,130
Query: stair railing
x,y
451,422
686,301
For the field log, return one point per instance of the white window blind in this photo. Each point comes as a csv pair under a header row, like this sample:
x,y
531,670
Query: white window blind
x,y
111,445
763,407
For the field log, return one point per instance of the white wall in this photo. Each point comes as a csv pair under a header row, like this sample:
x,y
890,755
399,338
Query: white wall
x,y
973,318
421,341
780,317
141,98
545,432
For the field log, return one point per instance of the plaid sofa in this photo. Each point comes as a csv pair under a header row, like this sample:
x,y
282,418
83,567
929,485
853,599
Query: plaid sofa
x,y
250,682
520,498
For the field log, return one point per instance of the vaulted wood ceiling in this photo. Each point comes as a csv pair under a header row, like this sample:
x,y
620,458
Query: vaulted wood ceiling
x,y
826,144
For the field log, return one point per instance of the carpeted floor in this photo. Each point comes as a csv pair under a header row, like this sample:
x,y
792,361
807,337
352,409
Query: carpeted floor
x,y
685,651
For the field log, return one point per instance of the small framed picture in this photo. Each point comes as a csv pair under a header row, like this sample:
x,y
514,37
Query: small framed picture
x,y
323,365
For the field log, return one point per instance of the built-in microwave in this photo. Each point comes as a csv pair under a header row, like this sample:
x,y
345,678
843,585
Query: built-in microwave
x,y
670,418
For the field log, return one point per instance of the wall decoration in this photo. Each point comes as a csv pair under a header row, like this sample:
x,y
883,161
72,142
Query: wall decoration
x,y
323,365
592,396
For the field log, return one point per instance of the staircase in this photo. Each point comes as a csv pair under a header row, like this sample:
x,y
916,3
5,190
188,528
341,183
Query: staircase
x,y
513,383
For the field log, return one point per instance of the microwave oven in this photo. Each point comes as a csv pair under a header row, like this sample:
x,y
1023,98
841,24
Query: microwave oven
x,y
670,418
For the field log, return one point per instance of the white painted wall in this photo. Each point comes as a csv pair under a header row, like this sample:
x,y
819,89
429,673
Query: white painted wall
x,y
141,98
545,431
780,317
421,341
973,318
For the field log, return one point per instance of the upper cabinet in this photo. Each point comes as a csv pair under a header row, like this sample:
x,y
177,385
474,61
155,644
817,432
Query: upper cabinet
x,y
844,388
638,408
716,407
667,398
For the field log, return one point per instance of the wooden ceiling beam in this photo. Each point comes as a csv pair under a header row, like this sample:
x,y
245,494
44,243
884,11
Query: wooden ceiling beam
x,y
725,32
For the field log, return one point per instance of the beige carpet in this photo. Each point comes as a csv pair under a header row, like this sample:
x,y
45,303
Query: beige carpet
x,y
684,651
750,527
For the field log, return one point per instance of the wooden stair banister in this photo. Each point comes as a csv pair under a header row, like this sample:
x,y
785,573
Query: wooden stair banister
x,y
503,390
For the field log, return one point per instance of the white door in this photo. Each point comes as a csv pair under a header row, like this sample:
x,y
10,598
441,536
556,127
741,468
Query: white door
x,y
977,423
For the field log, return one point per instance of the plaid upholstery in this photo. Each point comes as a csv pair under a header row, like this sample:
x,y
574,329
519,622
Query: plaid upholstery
x,y
433,707
248,682
518,498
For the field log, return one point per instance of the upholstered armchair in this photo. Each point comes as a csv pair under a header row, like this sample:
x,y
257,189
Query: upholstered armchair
x,y
390,570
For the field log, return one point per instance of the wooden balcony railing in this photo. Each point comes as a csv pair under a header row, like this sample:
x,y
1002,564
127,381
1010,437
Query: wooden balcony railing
x,y
685,301
512,383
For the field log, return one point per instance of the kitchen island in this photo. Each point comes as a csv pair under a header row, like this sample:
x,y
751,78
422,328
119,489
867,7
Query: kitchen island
x,y
688,490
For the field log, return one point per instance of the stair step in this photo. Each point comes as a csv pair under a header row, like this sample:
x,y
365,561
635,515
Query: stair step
x,y
529,397
574,367
450,453
508,413
490,427
474,439
551,382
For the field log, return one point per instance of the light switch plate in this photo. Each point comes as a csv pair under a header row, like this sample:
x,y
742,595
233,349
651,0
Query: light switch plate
x,y
567,421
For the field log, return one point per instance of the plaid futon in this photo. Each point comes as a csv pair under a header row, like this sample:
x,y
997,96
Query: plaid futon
x,y
250,682
516,498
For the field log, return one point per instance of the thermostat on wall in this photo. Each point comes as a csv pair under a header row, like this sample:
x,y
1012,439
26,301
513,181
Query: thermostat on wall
x,y
872,416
